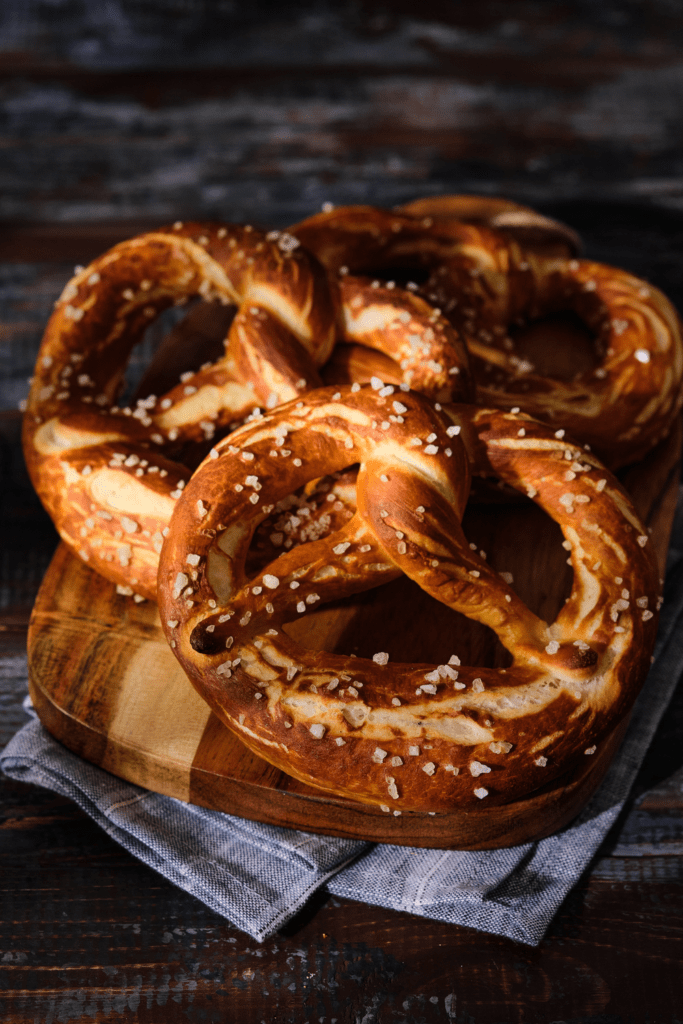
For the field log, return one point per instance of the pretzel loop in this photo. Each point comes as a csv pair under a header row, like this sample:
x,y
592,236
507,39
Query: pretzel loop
x,y
413,736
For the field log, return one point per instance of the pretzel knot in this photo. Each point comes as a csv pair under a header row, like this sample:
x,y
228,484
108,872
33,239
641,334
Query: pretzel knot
x,y
490,287
108,475
409,737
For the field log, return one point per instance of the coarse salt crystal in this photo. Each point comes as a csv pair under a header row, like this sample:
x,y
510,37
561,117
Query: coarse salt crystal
x,y
181,582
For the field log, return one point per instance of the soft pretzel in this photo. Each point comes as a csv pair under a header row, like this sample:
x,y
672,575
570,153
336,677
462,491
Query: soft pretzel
x,y
101,471
407,737
486,284
104,473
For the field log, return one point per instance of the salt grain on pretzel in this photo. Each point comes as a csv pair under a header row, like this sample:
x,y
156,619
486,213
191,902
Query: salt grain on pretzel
x,y
323,717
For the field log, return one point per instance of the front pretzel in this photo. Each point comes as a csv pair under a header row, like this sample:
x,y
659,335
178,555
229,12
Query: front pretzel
x,y
410,737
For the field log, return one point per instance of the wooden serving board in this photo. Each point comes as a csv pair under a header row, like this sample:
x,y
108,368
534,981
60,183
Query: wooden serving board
x,y
105,683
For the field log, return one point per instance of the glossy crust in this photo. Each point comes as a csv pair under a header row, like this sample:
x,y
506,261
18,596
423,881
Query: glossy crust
x,y
408,737
107,475
488,285
533,230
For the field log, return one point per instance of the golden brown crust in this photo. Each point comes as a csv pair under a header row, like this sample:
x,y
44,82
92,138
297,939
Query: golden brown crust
x,y
542,235
417,737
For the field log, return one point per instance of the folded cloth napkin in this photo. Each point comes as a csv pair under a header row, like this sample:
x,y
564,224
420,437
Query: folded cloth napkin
x,y
258,876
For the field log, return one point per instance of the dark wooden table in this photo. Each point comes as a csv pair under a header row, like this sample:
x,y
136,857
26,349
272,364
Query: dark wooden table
x,y
120,115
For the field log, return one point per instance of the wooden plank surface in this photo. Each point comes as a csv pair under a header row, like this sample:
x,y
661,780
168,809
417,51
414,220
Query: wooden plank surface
x,y
134,114
138,112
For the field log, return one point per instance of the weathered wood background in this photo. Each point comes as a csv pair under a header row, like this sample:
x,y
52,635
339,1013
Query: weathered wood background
x,y
124,113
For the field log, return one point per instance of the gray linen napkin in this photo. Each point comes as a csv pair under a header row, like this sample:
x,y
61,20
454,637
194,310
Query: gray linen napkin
x,y
258,876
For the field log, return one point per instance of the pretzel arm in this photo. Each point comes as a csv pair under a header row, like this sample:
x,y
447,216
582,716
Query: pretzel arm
x,y
264,365
356,364
424,537
262,351
113,507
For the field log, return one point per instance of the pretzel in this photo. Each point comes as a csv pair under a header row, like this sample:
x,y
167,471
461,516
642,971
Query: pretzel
x,y
486,283
107,475
102,472
407,737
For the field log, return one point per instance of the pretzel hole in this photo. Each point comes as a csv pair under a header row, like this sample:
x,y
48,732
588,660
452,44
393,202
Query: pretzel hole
x,y
559,345
400,618
321,507
540,574
400,275
181,339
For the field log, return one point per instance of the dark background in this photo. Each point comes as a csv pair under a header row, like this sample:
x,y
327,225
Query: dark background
x,y
123,114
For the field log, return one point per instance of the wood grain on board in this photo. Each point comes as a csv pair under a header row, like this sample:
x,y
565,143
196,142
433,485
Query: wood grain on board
x,y
105,682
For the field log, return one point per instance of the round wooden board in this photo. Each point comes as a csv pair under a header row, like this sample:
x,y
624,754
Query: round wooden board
x,y
105,683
